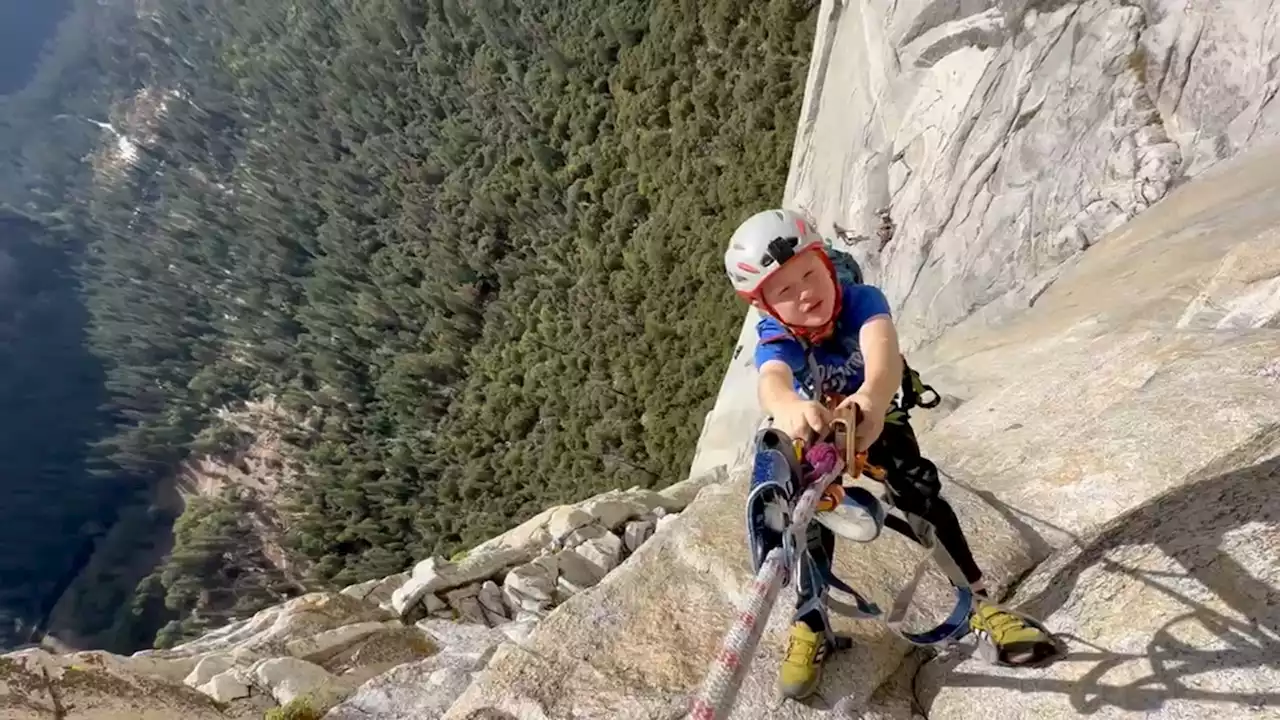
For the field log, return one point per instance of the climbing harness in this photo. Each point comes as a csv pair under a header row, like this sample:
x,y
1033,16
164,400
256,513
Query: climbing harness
x,y
773,455
861,516
780,506
777,533
777,539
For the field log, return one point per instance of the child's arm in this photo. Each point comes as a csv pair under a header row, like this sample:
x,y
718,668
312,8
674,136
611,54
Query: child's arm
x,y
776,386
883,373
792,414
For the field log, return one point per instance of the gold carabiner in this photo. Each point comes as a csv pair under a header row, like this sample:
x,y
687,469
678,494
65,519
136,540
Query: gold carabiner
x,y
845,424
797,446
846,443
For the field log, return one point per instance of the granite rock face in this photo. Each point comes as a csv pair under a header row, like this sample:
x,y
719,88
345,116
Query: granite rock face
x,y
424,689
1007,136
93,686
1171,611
1212,70
1002,138
1087,431
1137,450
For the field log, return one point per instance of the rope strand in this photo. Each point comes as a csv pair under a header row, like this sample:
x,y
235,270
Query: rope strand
x,y
719,690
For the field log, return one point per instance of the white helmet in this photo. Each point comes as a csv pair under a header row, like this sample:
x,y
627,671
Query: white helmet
x,y
762,244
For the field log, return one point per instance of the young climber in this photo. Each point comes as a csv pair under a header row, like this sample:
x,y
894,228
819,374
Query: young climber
x,y
844,333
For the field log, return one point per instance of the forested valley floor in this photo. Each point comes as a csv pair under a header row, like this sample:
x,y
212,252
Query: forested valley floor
x,y
469,250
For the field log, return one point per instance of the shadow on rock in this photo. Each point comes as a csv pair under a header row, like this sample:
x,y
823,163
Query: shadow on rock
x,y
1183,591
490,714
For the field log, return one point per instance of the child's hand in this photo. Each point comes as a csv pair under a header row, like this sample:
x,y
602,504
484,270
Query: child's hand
x,y
803,420
870,425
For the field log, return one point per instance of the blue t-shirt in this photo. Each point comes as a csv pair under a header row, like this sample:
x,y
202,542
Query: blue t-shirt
x,y
839,357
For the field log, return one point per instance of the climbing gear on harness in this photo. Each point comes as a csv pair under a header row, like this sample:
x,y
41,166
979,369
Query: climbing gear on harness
x,y
777,526
773,485
782,471
914,392
715,698
862,517
843,426
914,389
857,514
1006,637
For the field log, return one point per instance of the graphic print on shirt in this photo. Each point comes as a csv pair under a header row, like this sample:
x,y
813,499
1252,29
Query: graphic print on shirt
x,y
840,371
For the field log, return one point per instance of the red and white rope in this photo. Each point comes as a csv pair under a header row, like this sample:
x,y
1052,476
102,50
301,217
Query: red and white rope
x,y
719,689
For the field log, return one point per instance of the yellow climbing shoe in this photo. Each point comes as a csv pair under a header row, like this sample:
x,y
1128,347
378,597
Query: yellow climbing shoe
x,y
802,666
1016,642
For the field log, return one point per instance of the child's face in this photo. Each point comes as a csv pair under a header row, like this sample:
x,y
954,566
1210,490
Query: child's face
x,y
802,292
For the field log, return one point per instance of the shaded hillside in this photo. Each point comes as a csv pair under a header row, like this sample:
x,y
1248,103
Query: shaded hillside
x,y
24,28
63,494
50,389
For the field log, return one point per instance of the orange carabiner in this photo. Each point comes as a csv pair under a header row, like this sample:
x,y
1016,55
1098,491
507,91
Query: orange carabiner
x,y
874,471
831,497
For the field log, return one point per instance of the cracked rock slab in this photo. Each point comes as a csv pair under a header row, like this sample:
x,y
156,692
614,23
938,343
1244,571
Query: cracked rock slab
x,y
227,686
377,591
435,575
1137,450
683,583
424,689
269,631
93,686
1212,69
1170,612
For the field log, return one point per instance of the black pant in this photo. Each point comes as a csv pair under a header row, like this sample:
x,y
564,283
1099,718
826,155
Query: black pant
x,y
914,485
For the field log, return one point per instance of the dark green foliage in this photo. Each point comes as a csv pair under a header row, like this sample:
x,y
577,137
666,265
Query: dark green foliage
x,y
214,573
472,247
100,606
